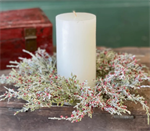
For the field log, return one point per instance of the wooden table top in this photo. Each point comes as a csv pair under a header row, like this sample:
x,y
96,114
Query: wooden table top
x,y
102,121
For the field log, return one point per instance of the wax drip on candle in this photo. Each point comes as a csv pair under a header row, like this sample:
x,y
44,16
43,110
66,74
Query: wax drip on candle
x,y
75,13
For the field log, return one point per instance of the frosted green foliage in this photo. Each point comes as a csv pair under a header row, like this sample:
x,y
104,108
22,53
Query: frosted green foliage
x,y
37,82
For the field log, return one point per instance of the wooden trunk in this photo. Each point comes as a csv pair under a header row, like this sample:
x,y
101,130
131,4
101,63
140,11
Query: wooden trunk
x,y
101,121
23,29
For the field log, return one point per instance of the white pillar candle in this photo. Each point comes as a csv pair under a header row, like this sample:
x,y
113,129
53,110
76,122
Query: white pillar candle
x,y
76,46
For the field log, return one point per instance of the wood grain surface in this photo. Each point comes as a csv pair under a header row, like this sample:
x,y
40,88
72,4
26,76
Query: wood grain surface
x,y
101,121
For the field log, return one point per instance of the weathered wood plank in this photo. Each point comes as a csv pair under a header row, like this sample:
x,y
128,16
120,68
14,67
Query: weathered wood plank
x,y
38,121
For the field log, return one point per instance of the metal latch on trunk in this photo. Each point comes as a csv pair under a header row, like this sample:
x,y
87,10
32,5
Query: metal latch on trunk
x,y
30,39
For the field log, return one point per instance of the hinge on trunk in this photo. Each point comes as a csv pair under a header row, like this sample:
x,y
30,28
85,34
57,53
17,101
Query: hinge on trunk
x,y
30,39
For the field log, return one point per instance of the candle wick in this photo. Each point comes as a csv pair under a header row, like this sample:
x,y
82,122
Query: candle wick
x,y
75,13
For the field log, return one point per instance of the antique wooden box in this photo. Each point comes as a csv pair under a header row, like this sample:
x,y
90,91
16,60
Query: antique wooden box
x,y
101,121
23,29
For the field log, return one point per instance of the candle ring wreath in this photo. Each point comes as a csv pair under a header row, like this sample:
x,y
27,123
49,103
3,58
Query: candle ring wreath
x,y
119,76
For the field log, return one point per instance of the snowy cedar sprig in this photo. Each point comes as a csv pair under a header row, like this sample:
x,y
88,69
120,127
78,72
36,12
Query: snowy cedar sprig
x,y
37,82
